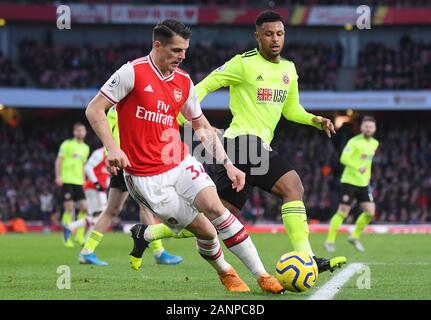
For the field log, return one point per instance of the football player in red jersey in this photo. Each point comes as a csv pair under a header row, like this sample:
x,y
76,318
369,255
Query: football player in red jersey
x,y
159,171
95,191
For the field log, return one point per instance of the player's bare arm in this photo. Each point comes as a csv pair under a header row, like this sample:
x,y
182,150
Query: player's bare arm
x,y
212,144
189,124
58,180
96,116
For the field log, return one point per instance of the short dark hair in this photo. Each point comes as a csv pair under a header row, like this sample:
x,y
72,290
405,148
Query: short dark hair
x,y
368,118
164,31
78,124
267,16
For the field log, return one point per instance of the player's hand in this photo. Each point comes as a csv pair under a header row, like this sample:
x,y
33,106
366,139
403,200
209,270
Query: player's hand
x,y
362,169
98,187
58,182
117,160
217,131
113,171
236,176
326,124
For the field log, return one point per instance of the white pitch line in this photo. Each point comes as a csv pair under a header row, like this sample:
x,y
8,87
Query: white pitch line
x,y
331,288
397,263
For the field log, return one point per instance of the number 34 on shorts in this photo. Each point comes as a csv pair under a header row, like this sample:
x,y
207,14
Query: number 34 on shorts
x,y
196,171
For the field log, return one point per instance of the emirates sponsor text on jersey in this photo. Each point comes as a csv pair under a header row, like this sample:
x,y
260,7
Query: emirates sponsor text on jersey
x,y
158,117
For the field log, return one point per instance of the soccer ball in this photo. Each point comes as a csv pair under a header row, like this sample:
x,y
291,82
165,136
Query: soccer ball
x,y
296,271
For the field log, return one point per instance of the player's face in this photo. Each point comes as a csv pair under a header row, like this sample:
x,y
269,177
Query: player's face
x,y
79,132
270,37
368,128
172,54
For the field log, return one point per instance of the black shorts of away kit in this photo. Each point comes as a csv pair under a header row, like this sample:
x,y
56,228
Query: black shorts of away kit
x,y
262,166
72,192
349,193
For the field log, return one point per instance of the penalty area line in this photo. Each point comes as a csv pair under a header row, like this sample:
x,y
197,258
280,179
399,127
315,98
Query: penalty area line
x,y
334,285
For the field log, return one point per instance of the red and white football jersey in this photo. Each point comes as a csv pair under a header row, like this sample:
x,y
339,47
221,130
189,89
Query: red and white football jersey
x,y
148,104
96,170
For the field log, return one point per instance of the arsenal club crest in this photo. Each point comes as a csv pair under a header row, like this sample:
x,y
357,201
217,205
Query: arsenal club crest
x,y
286,79
178,94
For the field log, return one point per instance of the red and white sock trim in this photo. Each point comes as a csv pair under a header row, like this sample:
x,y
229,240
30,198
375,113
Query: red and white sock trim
x,y
209,249
205,245
226,223
236,239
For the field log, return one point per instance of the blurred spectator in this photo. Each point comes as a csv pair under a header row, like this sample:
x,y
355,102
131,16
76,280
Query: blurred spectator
x,y
46,199
316,64
257,204
403,66
247,213
9,74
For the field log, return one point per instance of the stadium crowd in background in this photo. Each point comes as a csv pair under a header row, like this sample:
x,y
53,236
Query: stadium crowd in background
x,y
58,66
10,76
401,180
406,65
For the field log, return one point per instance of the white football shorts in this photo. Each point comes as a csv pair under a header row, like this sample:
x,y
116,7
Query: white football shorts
x,y
170,195
96,200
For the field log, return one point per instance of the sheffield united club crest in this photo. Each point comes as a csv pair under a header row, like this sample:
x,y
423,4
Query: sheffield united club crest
x,y
286,79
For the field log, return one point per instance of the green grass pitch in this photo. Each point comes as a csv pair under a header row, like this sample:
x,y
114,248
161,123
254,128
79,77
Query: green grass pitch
x,y
400,268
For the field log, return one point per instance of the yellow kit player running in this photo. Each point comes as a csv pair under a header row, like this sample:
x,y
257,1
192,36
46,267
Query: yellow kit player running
x,y
69,175
263,86
357,158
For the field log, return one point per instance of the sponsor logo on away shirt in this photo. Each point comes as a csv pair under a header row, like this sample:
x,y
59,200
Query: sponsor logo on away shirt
x,y
269,95
77,156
